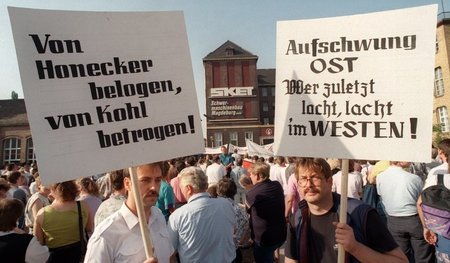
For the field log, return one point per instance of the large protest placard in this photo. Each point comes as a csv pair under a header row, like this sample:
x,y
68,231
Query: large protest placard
x,y
356,86
106,90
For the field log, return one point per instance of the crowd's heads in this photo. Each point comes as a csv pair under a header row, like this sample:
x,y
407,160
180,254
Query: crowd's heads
x,y
10,211
444,148
88,186
65,191
191,161
260,168
226,188
14,177
239,161
224,149
195,177
216,158
212,190
318,165
117,180
245,181
4,187
280,160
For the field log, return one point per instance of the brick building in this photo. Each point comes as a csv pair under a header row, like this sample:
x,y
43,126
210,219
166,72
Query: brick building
x,y
15,134
240,99
441,102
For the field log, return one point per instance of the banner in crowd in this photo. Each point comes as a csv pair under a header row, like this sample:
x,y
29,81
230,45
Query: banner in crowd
x,y
106,90
356,86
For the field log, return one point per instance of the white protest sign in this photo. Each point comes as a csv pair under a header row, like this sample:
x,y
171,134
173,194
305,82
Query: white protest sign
x,y
357,86
106,90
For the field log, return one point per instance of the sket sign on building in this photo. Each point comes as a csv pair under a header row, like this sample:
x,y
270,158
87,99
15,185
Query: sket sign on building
x,y
232,92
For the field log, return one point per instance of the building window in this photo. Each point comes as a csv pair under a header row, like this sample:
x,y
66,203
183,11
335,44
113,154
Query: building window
x,y
30,151
438,82
249,136
218,139
264,92
234,138
265,106
437,45
11,150
443,118
266,121
272,91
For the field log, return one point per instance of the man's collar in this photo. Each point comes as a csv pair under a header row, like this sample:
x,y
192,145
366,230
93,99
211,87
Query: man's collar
x,y
198,195
131,219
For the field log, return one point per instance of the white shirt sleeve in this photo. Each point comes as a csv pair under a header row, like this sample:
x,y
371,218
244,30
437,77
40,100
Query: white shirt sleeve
x,y
36,252
98,251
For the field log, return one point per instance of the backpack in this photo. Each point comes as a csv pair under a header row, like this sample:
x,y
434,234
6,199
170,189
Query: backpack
x,y
436,207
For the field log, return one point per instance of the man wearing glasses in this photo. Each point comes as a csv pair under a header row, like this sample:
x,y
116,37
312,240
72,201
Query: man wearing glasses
x,y
364,238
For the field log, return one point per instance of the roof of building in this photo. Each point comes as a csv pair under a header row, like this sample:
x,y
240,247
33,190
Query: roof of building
x,y
266,77
229,50
13,112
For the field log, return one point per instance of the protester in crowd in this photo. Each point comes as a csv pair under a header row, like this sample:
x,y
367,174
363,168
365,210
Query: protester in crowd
x,y
174,182
379,167
235,156
216,171
57,225
166,197
202,163
271,160
115,200
399,191
118,238
441,243
443,148
245,182
265,203
89,193
364,238
366,168
227,188
33,187
226,160
292,199
15,179
335,165
235,175
190,161
354,183
212,190
435,161
16,245
202,230
35,203
104,186
4,187
278,172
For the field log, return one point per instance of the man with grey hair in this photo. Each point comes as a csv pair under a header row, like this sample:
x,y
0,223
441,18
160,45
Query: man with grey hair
x,y
202,230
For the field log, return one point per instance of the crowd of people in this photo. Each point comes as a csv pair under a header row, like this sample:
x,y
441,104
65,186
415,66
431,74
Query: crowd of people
x,y
215,208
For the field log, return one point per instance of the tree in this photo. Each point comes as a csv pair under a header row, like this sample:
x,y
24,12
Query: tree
x,y
14,95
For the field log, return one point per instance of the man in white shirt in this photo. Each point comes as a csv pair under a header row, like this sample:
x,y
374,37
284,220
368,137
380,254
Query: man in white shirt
x,y
215,172
118,238
202,230
443,147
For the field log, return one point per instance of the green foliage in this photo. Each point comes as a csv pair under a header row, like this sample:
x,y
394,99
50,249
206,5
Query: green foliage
x,y
438,134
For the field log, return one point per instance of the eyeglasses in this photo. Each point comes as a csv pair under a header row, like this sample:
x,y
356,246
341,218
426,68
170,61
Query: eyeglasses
x,y
314,179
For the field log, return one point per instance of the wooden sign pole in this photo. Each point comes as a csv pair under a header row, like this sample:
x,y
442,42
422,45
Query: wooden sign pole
x,y
343,205
141,214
